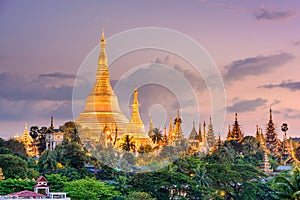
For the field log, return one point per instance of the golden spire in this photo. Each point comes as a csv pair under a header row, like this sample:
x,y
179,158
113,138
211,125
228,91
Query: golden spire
x,y
170,131
51,122
204,129
199,133
136,127
135,108
257,132
102,57
150,131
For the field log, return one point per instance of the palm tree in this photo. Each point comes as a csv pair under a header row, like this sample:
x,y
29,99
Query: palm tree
x,y
226,153
288,185
249,145
157,136
127,143
47,161
201,176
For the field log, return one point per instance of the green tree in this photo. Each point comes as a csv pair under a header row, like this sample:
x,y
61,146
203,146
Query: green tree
x,y
238,181
13,166
156,136
38,136
74,155
202,177
70,130
89,189
288,185
127,143
56,182
250,145
139,196
13,185
47,162
15,146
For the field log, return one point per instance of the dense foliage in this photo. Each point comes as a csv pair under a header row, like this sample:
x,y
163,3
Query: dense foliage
x,y
229,172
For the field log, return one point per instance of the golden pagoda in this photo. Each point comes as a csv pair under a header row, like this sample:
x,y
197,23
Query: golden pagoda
x,y
102,110
177,139
170,131
235,133
193,140
136,127
260,138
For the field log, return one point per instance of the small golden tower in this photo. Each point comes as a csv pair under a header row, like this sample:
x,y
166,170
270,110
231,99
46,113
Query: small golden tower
x,y
235,133
136,127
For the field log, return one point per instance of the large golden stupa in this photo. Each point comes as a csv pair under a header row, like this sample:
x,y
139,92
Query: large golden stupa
x,y
102,111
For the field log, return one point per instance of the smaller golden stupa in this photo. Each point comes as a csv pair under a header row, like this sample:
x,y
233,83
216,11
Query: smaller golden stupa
x,y
136,127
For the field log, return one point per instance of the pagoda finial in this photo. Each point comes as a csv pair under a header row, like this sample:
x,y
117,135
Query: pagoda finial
x,y
51,123
209,120
25,126
270,113
236,117
193,124
135,97
103,42
102,57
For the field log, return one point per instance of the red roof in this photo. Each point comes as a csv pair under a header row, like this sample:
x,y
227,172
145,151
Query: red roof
x,y
41,178
26,193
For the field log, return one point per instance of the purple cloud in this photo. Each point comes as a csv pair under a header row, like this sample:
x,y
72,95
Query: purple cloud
x,y
290,85
247,105
239,69
272,14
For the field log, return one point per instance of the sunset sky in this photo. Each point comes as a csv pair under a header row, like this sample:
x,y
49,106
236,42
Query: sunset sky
x,y
255,45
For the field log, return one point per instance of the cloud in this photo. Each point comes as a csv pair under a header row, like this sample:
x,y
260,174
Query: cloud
x,y
247,105
190,74
23,110
17,87
291,113
296,43
290,85
58,75
273,15
239,69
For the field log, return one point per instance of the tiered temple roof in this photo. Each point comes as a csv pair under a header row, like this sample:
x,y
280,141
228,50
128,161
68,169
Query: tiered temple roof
x,y
235,133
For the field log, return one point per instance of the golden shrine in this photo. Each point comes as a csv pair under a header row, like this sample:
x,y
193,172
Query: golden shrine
x,y
102,111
